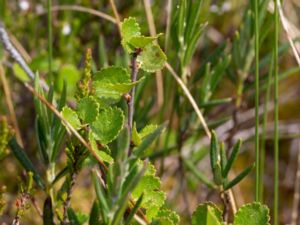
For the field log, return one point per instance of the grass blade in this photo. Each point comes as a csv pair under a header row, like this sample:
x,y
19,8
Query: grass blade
x,y
238,178
22,157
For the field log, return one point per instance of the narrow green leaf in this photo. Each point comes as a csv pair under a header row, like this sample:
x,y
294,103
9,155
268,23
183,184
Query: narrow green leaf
x,y
148,141
238,178
192,45
214,151
198,174
95,214
232,158
48,215
22,157
101,196
207,214
134,210
254,213
74,220
223,158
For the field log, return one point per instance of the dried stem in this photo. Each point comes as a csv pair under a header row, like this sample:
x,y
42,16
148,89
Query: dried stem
x,y
116,14
190,98
286,27
84,10
67,124
9,103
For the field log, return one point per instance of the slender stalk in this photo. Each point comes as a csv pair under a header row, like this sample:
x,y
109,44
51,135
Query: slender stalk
x,y
257,178
276,109
130,102
79,8
264,132
50,50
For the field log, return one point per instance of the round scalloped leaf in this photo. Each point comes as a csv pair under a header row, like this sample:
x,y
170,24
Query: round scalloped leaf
x,y
113,75
167,217
129,29
152,58
253,213
153,198
207,214
141,41
108,124
87,109
71,117
112,82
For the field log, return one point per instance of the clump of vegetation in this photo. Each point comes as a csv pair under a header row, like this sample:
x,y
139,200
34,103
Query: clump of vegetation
x,y
112,126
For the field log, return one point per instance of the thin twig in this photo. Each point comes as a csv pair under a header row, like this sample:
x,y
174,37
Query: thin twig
x,y
116,14
9,103
286,27
190,98
152,29
84,10
66,123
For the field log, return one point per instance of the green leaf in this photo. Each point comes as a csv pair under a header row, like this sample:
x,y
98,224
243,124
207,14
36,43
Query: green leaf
x,y
71,117
102,154
190,166
87,109
152,58
69,74
214,150
134,210
238,178
113,75
136,139
142,41
112,82
148,141
108,124
149,185
48,215
101,196
129,29
22,157
95,214
207,214
74,220
254,214
147,130
19,73
232,158
167,217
